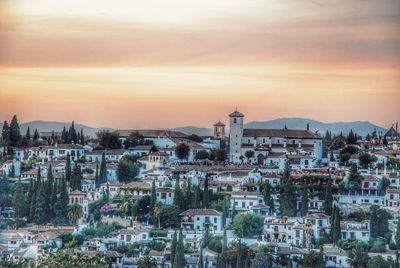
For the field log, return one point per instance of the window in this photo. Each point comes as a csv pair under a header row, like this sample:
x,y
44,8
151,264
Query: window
x,y
234,120
251,203
215,219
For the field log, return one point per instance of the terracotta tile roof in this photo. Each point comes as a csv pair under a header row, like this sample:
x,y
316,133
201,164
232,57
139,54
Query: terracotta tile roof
x,y
204,211
219,124
152,133
285,133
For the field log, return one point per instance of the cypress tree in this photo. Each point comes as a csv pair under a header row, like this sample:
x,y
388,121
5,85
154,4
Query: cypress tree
x,y
28,134
40,210
188,195
5,136
397,237
206,194
304,199
224,210
336,231
103,169
287,195
53,200
96,176
72,136
76,178
18,200
173,247
328,199
49,191
82,138
239,257
233,209
179,259
36,135
153,197
64,136
178,198
68,168
61,210
197,197
224,242
15,134
29,198
32,207
201,261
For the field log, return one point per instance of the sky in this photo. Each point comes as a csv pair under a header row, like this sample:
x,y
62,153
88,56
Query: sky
x,y
153,64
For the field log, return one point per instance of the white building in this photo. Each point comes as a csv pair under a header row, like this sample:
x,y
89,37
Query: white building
x,y
351,230
200,220
270,146
243,201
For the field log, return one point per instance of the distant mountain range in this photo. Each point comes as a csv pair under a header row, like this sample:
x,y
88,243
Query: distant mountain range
x,y
360,127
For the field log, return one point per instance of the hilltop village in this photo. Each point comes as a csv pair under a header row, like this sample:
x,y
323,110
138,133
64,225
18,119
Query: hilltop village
x,y
160,198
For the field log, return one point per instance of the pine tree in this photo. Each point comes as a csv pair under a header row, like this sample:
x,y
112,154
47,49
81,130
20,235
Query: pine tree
x,y
40,210
304,199
179,259
328,199
178,198
15,134
68,168
82,138
18,200
103,169
173,247
206,194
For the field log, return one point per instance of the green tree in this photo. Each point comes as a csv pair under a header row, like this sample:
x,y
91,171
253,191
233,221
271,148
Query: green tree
x,y
68,171
397,236
335,223
354,178
153,195
15,134
5,134
206,193
18,200
75,212
197,197
287,197
179,259
76,178
178,196
82,138
61,206
351,138
109,140
147,262
304,199
128,169
260,260
248,225
182,151
380,262
313,259
249,154
379,224
49,190
103,169
357,257
41,206
72,136
96,176
173,246
328,199
202,155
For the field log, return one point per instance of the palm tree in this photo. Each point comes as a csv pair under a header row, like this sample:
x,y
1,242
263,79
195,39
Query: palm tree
x,y
147,262
157,213
75,212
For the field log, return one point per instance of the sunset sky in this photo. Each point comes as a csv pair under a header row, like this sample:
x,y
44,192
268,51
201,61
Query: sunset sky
x,y
148,64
